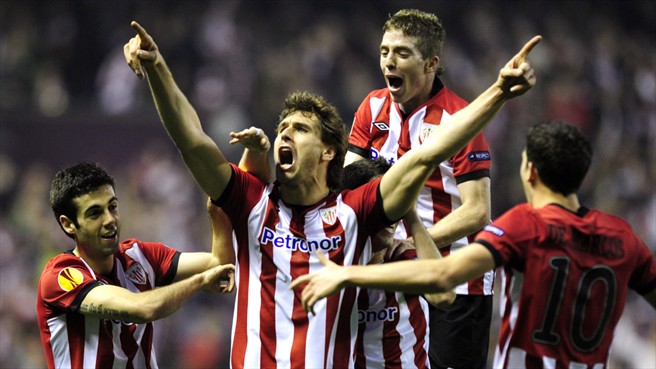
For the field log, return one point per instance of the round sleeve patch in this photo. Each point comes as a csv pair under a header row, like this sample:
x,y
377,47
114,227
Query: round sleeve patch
x,y
69,278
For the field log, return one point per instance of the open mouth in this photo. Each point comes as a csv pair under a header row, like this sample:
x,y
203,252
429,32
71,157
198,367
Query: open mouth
x,y
109,236
395,82
285,157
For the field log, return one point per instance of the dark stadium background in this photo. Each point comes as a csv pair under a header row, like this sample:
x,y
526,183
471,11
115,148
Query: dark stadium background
x,y
67,95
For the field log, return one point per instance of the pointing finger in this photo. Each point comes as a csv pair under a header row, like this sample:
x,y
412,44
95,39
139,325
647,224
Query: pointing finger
x,y
298,281
322,258
523,53
140,30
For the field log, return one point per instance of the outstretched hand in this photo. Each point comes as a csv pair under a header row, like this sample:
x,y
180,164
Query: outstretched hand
x,y
140,50
517,76
252,138
323,283
221,278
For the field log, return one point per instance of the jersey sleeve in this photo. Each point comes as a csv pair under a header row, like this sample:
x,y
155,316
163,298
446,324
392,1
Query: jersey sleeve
x,y
367,203
643,278
509,236
360,136
65,282
241,194
473,161
162,258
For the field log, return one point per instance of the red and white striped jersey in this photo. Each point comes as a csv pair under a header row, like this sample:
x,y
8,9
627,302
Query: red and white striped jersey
x,y
566,277
74,340
392,328
380,129
275,243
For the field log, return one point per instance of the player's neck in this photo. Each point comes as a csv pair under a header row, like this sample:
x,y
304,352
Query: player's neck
x,y
303,194
103,265
544,197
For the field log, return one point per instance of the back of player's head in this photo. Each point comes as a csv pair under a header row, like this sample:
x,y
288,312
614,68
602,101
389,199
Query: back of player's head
x,y
425,27
72,182
333,130
560,153
362,171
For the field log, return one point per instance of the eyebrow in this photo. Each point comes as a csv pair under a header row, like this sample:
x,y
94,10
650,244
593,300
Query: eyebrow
x,y
94,207
294,122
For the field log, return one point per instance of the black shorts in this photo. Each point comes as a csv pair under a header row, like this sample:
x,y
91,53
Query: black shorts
x,y
460,333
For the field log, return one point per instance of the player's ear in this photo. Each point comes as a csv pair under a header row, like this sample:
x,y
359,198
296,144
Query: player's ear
x,y
432,64
328,153
67,225
532,172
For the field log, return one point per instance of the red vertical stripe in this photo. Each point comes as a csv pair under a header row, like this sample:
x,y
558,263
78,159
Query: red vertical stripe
x,y
128,343
405,144
363,305
299,266
391,338
418,322
105,353
147,344
240,340
343,356
76,329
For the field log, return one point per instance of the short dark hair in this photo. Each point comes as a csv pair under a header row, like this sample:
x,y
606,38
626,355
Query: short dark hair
x,y
560,153
362,171
333,130
72,182
425,27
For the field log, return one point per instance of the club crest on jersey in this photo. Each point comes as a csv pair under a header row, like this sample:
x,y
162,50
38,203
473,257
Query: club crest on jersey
x,y
426,129
382,126
329,215
136,274
69,278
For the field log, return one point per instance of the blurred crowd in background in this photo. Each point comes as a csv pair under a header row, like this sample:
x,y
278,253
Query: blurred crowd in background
x,y
67,95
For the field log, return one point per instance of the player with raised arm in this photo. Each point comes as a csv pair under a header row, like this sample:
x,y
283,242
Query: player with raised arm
x,y
280,227
455,202
567,268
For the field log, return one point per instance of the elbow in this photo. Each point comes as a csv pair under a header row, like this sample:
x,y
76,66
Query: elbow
x,y
147,313
441,282
441,300
482,216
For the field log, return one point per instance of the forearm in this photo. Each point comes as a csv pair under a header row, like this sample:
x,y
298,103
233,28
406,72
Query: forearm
x,y
115,302
461,127
176,112
166,300
222,246
460,223
426,250
256,162
423,243
412,276
402,183
199,152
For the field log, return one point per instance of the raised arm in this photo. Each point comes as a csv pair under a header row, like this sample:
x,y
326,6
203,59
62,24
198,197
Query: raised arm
x,y
201,154
222,252
401,184
255,158
114,302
